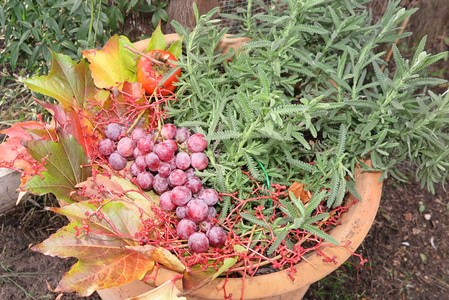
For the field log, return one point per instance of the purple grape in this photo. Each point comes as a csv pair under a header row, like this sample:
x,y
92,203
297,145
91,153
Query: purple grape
x,y
197,210
137,152
183,160
173,144
212,212
194,184
126,147
216,236
185,229
152,161
168,131
160,184
106,147
117,161
196,143
205,226
177,177
181,195
140,161
209,196
181,212
164,169
145,180
182,135
199,161
198,242
145,144
165,201
114,131
138,133
135,169
164,151
190,172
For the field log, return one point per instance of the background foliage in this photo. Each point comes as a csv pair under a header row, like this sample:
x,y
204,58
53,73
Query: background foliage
x,y
34,28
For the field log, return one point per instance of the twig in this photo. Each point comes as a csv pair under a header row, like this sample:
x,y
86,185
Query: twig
x,y
143,54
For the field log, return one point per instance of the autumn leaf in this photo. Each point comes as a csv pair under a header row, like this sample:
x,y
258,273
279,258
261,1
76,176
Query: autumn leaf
x,y
74,122
112,65
65,82
103,260
14,155
161,255
118,188
65,164
166,291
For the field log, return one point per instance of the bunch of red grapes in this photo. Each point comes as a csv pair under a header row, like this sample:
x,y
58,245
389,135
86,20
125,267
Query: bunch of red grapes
x,y
165,160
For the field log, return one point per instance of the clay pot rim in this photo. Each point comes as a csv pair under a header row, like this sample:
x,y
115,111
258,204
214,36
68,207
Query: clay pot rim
x,y
356,223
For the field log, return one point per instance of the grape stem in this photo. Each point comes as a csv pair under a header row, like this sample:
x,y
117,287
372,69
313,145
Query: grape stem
x,y
143,54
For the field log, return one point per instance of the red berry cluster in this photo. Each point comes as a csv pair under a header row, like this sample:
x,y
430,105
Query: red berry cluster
x,y
165,160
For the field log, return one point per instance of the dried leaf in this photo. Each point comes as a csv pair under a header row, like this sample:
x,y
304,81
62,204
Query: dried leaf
x,y
161,255
298,189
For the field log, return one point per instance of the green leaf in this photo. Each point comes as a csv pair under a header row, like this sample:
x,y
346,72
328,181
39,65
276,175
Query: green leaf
x,y
157,40
66,165
66,80
176,48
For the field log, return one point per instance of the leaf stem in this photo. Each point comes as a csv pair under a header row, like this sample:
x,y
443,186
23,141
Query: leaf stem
x,y
143,54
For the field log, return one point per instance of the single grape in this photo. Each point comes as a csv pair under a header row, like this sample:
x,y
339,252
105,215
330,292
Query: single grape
x,y
145,144
138,133
182,160
194,184
196,143
140,162
165,201
198,242
164,169
152,161
137,152
117,161
164,151
205,225
173,144
177,177
209,196
181,212
212,212
190,172
182,135
216,236
135,169
168,131
181,195
114,131
199,161
106,147
160,184
145,180
197,210
126,147
185,229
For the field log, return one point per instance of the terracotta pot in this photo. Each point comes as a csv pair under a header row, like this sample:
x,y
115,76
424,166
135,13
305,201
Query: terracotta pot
x,y
355,225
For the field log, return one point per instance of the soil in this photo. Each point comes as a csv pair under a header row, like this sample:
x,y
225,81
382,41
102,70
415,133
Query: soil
x,y
407,250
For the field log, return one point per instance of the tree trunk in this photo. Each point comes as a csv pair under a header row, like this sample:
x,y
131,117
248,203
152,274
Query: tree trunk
x,y
182,12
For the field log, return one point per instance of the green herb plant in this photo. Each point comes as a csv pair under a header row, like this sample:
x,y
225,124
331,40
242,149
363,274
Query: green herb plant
x,y
308,98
